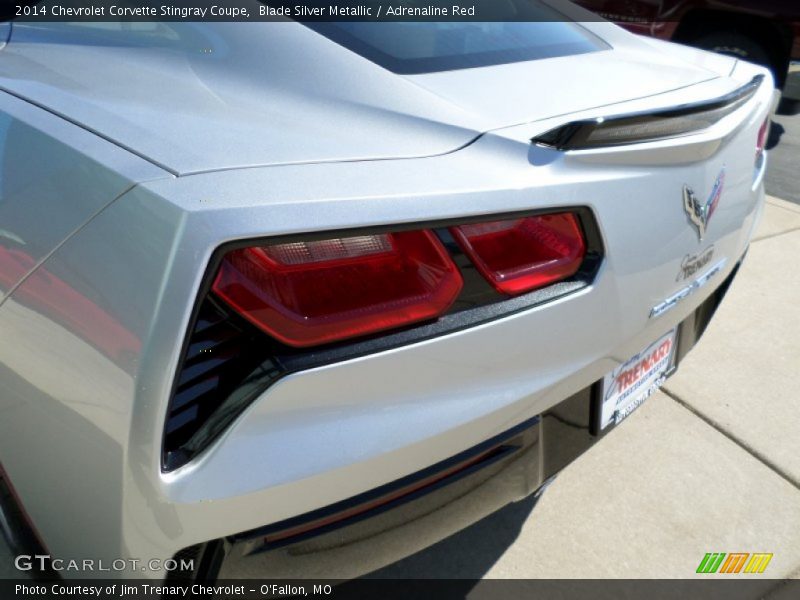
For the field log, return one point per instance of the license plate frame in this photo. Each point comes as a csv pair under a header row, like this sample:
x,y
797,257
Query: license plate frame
x,y
626,387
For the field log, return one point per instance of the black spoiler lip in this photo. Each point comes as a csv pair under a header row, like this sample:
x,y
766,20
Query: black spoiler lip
x,y
684,119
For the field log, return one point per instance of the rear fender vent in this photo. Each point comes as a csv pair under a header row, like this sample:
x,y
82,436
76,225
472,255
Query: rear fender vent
x,y
221,353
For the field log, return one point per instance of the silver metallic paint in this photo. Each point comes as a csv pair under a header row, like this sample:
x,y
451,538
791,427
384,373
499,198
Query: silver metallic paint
x,y
296,97
81,420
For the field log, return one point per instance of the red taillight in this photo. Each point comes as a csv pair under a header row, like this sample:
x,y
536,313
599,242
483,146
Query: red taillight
x,y
520,255
761,142
317,292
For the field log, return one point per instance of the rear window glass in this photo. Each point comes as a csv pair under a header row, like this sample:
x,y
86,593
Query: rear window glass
x,y
422,47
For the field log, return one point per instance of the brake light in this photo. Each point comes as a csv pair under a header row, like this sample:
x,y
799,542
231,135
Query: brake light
x,y
317,292
521,255
761,142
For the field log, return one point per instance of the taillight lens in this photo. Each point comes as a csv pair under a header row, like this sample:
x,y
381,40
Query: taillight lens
x,y
761,142
317,292
521,255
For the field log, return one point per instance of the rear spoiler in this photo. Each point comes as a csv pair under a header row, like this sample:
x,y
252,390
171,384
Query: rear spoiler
x,y
651,126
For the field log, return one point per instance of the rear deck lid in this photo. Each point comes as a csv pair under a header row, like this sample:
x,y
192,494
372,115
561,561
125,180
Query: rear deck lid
x,y
200,97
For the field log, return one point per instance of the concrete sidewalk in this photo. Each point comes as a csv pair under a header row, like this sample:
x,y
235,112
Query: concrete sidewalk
x,y
710,465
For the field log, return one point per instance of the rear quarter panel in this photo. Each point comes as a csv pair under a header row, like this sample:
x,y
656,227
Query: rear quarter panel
x,y
54,178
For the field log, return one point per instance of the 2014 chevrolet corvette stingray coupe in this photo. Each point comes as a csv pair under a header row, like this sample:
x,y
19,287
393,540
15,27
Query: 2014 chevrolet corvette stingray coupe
x,y
279,296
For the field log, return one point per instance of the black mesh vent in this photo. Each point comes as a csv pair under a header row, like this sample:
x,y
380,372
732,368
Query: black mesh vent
x,y
219,356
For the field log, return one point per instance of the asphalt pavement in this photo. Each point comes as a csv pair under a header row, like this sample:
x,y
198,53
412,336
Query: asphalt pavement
x,y
784,167
784,143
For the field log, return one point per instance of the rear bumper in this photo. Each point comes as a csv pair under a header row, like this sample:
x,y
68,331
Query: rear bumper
x,y
370,530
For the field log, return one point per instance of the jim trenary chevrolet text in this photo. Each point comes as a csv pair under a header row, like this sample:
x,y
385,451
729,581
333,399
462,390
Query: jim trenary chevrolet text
x,y
274,310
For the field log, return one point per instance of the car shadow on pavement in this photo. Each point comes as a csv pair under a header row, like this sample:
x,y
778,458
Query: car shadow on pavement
x,y
789,107
776,131
468,554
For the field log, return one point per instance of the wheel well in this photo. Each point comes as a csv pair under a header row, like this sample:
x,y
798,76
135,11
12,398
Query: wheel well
x,y
774,36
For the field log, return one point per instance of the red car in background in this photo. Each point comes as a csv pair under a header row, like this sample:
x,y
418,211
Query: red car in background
x,y
761,31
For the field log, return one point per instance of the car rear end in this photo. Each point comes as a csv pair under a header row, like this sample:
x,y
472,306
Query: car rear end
x,y
338,367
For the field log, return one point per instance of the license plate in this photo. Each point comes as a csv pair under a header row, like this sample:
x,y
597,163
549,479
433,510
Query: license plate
x,y
633,382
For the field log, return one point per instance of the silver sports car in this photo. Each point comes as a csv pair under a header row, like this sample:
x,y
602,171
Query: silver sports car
x,y
283,295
